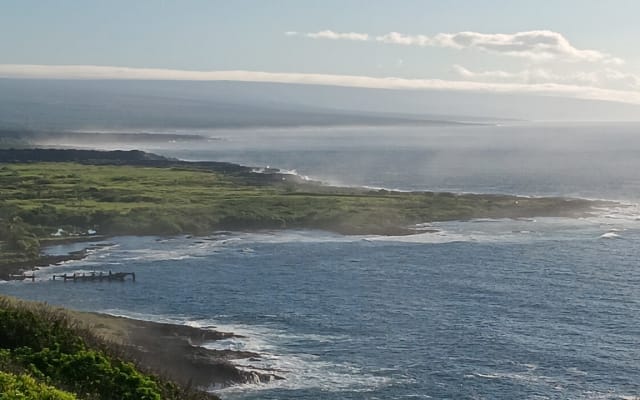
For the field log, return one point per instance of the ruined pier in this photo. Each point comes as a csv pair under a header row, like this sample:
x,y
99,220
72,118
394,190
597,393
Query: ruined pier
x,y
96,277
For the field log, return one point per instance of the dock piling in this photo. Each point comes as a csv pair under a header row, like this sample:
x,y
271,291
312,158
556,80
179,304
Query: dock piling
x,y
93,277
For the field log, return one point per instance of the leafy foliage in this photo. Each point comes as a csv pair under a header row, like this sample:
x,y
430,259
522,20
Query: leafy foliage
x,y
24,387
90,372
18,236
48,346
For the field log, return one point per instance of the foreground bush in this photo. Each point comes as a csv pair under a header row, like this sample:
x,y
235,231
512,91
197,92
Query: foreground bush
x,y
41,347
24,387
90,372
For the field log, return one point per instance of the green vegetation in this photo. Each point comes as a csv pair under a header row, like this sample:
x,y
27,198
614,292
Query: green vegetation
x,y
44,354
24,387
37,199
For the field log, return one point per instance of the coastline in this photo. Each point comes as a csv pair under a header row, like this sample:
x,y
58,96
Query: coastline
x,y
175,351
11,270
136,193
171,355
48,260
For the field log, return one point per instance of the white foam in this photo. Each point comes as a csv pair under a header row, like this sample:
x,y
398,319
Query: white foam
x,y
300,370
479,375
610,235
576,371
477,230
622,214
532,376
307,372
590,395
522,376
614,220
298,236
441,236
293,172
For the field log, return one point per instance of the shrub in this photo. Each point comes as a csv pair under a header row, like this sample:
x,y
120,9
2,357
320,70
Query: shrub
x,y
52,349
24,387
90,372
20,327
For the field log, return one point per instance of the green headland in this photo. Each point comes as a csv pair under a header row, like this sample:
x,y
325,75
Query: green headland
x,y
70,193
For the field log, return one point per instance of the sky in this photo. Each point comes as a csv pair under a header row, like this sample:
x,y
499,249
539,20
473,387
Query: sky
x,y
572,48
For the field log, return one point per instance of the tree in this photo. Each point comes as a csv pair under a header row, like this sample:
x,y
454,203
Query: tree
x,y
18,237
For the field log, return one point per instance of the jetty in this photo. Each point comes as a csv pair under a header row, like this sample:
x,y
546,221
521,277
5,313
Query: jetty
x,y
96,277
22,277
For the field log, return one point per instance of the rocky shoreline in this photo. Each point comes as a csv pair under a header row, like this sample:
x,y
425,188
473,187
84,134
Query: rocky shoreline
x,y
172,351
18,267
175,351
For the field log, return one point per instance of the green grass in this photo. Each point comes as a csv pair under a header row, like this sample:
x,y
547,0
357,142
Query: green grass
x,y
38,198
25,387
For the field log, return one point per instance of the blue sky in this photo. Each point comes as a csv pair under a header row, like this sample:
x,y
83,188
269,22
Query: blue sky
x,y
589,44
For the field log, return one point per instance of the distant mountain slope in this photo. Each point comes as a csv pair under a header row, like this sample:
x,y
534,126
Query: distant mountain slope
x,y
126,104
20,137
61,105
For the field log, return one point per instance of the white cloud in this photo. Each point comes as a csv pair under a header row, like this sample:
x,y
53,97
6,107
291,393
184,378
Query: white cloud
x,y
468,74
607,77
328,34
622,78
535,45
407,40
540,45
108,72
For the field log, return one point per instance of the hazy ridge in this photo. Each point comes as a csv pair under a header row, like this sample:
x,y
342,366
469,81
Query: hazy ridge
x,y
70,105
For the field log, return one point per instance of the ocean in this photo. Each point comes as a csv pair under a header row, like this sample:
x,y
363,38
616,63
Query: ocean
x,y
545,308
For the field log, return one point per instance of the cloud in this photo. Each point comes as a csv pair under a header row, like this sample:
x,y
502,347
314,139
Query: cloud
x,y
535,45
406,40
328,34
607,77
468,74
540,45
393,83
628,80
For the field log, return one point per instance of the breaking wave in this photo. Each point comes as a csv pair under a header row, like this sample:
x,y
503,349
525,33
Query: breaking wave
x,y
300,370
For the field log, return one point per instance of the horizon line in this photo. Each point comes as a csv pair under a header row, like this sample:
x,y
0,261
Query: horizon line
x,y
95,72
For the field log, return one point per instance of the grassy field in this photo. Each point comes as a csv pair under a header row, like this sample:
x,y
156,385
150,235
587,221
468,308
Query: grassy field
x,y
37,199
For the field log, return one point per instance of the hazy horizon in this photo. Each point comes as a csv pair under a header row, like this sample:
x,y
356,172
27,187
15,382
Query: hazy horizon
x,y
575,60
44,104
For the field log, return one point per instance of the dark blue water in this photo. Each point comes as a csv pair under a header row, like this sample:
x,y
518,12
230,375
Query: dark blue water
x,y
504,317
493,309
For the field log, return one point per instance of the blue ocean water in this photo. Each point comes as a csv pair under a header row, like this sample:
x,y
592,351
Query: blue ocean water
x,y
544,308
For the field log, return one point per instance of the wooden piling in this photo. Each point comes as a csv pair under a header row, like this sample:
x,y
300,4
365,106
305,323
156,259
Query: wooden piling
x,y
97,277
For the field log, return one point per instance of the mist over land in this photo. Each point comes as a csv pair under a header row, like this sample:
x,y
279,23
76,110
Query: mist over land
x,y
404,139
